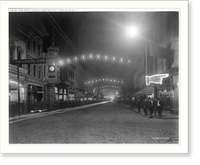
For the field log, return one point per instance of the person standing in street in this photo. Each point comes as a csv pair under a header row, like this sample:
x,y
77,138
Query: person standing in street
x,y
159,107
151,106
132,102
155,107
145,107
138,105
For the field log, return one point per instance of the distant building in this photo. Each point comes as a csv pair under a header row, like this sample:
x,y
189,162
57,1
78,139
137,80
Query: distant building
x,y
80,79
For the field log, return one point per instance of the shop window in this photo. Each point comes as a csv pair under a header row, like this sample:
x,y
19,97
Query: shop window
x,y
14,93
65,97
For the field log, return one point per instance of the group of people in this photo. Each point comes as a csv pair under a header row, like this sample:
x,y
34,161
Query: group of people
x,y
153,106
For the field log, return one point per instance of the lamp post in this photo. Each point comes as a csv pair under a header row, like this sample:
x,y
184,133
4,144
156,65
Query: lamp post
x,y
18,87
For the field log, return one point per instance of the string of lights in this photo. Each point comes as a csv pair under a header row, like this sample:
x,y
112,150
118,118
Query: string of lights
x,y
92,57
104,80
108,86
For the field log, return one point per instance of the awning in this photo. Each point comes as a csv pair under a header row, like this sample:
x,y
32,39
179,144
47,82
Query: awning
x,y
148,89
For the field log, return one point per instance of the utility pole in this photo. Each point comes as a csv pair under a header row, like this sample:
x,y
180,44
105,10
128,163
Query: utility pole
x,y
19,107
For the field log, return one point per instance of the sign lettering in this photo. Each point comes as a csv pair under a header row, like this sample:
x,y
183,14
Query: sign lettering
x,y
31,61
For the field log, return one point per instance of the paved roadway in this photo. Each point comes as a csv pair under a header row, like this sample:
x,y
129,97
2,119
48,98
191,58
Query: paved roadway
x,y
106,123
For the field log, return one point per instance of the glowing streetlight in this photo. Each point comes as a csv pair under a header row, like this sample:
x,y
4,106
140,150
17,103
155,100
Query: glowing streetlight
x,y
98,57
76,59
68,60
105,58
132,31
83,57
60,62
90,56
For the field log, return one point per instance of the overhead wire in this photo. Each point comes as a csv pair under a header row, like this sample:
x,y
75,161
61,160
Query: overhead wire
x,y
63,36
63,33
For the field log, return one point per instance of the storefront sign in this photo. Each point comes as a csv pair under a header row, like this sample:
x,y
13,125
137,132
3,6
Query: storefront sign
x,y
31,61
13,68
155,79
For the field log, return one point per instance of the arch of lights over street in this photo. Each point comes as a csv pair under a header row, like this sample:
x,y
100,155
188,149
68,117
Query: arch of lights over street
x,y
108,92
108,80
105,58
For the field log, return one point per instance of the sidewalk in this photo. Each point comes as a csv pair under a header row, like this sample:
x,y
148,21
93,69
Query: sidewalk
x,y
165,114
33,115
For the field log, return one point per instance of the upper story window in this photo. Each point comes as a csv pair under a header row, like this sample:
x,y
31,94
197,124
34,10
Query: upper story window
x,y
29,44
34,48
39,50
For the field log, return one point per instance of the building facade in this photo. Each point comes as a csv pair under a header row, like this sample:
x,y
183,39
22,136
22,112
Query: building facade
x,y
159,55
26,42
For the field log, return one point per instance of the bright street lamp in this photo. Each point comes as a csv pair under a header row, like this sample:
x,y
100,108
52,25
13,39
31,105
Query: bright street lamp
x,y
132,31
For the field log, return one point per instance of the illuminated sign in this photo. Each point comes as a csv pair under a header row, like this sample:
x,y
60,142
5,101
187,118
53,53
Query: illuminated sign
x,y
155,79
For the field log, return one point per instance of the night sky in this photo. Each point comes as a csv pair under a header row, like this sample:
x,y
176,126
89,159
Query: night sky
x,y
95,33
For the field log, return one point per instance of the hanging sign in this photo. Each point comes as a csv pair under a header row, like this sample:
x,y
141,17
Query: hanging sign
x,y
155,79
31,61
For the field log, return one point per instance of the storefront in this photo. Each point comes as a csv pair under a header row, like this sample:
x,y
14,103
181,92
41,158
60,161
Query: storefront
x,y
35,97
169,91
13,90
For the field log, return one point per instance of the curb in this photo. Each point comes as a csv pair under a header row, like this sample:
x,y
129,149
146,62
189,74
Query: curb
x,y
30,116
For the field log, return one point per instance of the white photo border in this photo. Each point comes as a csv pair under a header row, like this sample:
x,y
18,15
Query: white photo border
x,y
181,6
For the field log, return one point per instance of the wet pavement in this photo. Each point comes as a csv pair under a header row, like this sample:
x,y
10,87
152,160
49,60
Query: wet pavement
x,y
101,124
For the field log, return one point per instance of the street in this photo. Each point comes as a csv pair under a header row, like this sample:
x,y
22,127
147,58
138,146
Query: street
x,y
106,123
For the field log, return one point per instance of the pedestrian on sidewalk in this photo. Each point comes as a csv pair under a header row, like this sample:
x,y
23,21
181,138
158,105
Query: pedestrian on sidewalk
x,y
159,106
138,104
155,107
132,102
151,106
145,106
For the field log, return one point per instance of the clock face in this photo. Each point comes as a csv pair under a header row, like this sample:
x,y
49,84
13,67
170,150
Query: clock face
x,y
51,68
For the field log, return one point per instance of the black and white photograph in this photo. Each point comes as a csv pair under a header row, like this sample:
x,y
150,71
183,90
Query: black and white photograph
x,y
94,76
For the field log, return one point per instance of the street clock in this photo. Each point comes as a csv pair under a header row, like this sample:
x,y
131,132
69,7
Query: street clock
x,y
51,68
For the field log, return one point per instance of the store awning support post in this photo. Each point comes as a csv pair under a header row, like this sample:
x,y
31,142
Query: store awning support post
x,y
19,107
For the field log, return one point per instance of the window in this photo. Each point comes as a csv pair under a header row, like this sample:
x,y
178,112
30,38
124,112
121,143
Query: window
x,y
34,47
39,72
29,69
39,50
44,71
34,70
29,44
